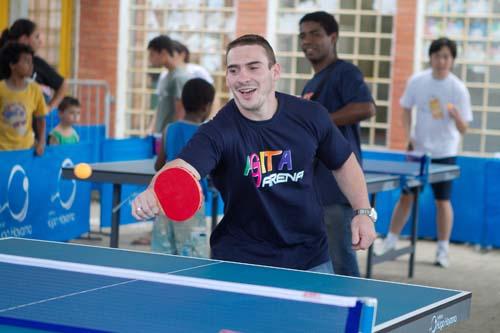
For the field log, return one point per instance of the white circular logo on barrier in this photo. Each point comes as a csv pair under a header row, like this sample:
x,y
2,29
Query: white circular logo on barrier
x,y
68,203
20,215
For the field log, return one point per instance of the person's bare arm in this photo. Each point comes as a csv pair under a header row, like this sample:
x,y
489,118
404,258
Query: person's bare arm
x,y
151,127
162,154
145,206
353,113
40,134
53,140
351,181
459,121
179,110
58,96
406,121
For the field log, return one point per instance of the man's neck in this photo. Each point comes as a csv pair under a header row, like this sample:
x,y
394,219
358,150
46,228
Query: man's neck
x,y
440,75
319,66
65,127
16,82
266,112
194,117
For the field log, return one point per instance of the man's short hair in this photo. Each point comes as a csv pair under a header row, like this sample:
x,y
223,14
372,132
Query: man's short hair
x,y
10,55
160,43
181,48
197,94
254,40
326,20
439,43
67,102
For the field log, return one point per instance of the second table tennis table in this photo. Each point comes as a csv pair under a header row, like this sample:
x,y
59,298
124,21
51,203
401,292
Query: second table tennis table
x,y
380,176
141,172
413,176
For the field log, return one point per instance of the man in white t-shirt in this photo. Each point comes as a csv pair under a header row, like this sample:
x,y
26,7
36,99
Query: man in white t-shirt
x,y
443,111
197,71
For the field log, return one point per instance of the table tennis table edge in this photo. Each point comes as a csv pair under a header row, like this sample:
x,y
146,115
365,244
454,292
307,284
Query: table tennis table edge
x,y
404,320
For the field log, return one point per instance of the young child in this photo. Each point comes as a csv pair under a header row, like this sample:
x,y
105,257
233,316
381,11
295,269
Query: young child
x,y
27,32
190,237
69,114
20,100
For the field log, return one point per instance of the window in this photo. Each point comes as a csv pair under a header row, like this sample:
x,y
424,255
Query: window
x,y
366,35
47,15
475,26
204,26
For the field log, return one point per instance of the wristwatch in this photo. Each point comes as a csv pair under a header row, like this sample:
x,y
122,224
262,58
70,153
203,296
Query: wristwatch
x,y
370,212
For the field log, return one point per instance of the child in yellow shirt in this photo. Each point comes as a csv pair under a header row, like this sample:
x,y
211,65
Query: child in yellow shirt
x,y
20,99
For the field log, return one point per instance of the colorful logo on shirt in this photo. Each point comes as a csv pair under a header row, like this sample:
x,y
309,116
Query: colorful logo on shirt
x,y
14,115
260,167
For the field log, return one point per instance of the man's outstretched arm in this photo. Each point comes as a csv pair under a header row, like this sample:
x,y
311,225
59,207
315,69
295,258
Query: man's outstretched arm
x,y
351,181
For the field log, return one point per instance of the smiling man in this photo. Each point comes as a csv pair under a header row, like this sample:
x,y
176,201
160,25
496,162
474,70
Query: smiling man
x,y
339,86
260,151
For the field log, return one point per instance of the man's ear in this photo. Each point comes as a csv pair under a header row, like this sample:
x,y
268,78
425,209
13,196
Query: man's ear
x,y
276,71
333,37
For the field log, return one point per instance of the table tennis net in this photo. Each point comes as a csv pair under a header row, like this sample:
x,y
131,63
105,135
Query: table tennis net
x,y
68,297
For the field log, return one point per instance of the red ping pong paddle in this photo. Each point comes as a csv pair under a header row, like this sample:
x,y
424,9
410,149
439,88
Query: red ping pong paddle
x,y
178,193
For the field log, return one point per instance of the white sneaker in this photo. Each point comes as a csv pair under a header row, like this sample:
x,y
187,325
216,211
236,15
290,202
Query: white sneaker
x,y
381,247
442,259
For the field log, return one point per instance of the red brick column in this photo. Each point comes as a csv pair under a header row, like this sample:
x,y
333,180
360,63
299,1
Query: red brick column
x,y
251,17
98,47
402,66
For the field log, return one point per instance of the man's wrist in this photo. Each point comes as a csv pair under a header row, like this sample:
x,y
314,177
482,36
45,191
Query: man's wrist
x,y
370,212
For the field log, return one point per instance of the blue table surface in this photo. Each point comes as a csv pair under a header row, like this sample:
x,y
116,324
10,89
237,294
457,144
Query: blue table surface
x,y
403,168
394,299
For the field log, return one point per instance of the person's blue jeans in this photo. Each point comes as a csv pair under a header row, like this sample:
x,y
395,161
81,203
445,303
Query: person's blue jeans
x,y
338,227
325,267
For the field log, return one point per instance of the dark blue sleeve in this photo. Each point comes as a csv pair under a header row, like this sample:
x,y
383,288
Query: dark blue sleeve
x,y
333,148
204,150
354,88
46,74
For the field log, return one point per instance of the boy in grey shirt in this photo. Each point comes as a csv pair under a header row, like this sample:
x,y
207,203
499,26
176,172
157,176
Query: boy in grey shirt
x,y
161,54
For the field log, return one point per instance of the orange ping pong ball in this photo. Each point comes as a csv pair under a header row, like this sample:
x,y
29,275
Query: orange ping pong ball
x,y
82,171
450,106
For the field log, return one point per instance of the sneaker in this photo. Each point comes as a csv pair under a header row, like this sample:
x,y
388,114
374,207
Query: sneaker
x,y
381,247
442,259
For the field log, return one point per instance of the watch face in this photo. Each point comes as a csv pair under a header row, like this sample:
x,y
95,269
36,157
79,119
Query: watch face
x,y
373,214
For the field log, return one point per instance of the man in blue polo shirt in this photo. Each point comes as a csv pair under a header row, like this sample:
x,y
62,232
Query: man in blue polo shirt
x,y
260,151
340,88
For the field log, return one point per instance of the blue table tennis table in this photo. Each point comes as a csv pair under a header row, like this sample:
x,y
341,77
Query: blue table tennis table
x,y
140,172
77,288
412,175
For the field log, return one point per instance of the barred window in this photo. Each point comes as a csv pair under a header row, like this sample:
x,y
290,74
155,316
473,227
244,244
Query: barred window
x,y
365,39
204,26
475,26
47,15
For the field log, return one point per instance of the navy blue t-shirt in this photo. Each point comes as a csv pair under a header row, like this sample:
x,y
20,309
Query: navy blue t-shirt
x,y
344,85
264,171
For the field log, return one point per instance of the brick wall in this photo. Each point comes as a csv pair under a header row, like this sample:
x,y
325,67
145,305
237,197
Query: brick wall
x,y
251,17
98,58
402,67
99,24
